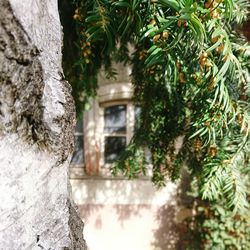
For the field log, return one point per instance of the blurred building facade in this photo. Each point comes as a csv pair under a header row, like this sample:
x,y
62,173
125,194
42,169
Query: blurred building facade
x,y
119,213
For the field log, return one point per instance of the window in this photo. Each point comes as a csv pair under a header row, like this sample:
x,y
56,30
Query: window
x,y
115,127
78,155
107,129
114,145
115,119
108,126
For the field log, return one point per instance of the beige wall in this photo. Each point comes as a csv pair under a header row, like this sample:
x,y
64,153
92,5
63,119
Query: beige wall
x,y
122,71
127,215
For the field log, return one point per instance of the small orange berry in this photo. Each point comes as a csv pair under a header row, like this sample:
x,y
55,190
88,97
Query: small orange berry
x,y
179,23
153,22
181,78
156,37
165,34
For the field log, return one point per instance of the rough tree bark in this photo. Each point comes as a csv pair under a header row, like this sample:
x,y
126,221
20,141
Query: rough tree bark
x,y
36,131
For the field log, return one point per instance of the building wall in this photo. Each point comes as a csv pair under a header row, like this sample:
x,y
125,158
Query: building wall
x,y
118,213
127,214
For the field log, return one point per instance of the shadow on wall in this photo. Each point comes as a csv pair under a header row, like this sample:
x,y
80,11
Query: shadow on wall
x,y
121,213
130,226
172,230
166,236
139,193
133,195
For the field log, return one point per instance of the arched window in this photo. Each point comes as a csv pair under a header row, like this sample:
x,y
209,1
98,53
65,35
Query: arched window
x,y
107,128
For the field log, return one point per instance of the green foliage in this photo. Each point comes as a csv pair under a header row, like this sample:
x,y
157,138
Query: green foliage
x,y
133,162
214,227
190,72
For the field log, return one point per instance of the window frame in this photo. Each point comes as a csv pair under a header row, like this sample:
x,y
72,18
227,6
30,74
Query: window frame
x,y
130,121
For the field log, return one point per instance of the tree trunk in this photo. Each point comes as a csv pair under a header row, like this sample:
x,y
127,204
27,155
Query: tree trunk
x,y
37,120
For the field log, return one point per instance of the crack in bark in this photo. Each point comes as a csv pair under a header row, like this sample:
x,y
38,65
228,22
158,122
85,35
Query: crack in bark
x,y
21,91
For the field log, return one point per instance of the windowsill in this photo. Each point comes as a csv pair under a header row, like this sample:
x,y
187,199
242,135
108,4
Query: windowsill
x,y
78,172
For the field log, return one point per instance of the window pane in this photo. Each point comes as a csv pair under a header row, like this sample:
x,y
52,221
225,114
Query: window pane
x,y
137,117
114,145
115,119
78,158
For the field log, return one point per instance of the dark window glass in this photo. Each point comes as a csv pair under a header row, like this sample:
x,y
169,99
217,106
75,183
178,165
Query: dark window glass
x,y
115,119
77,158
114,145
78,155
137,117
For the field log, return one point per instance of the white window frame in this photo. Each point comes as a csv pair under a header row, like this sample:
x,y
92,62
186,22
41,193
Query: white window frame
x,y
130,122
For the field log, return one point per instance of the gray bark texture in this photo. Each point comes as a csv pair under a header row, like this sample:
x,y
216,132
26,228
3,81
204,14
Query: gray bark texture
x,y
37,119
